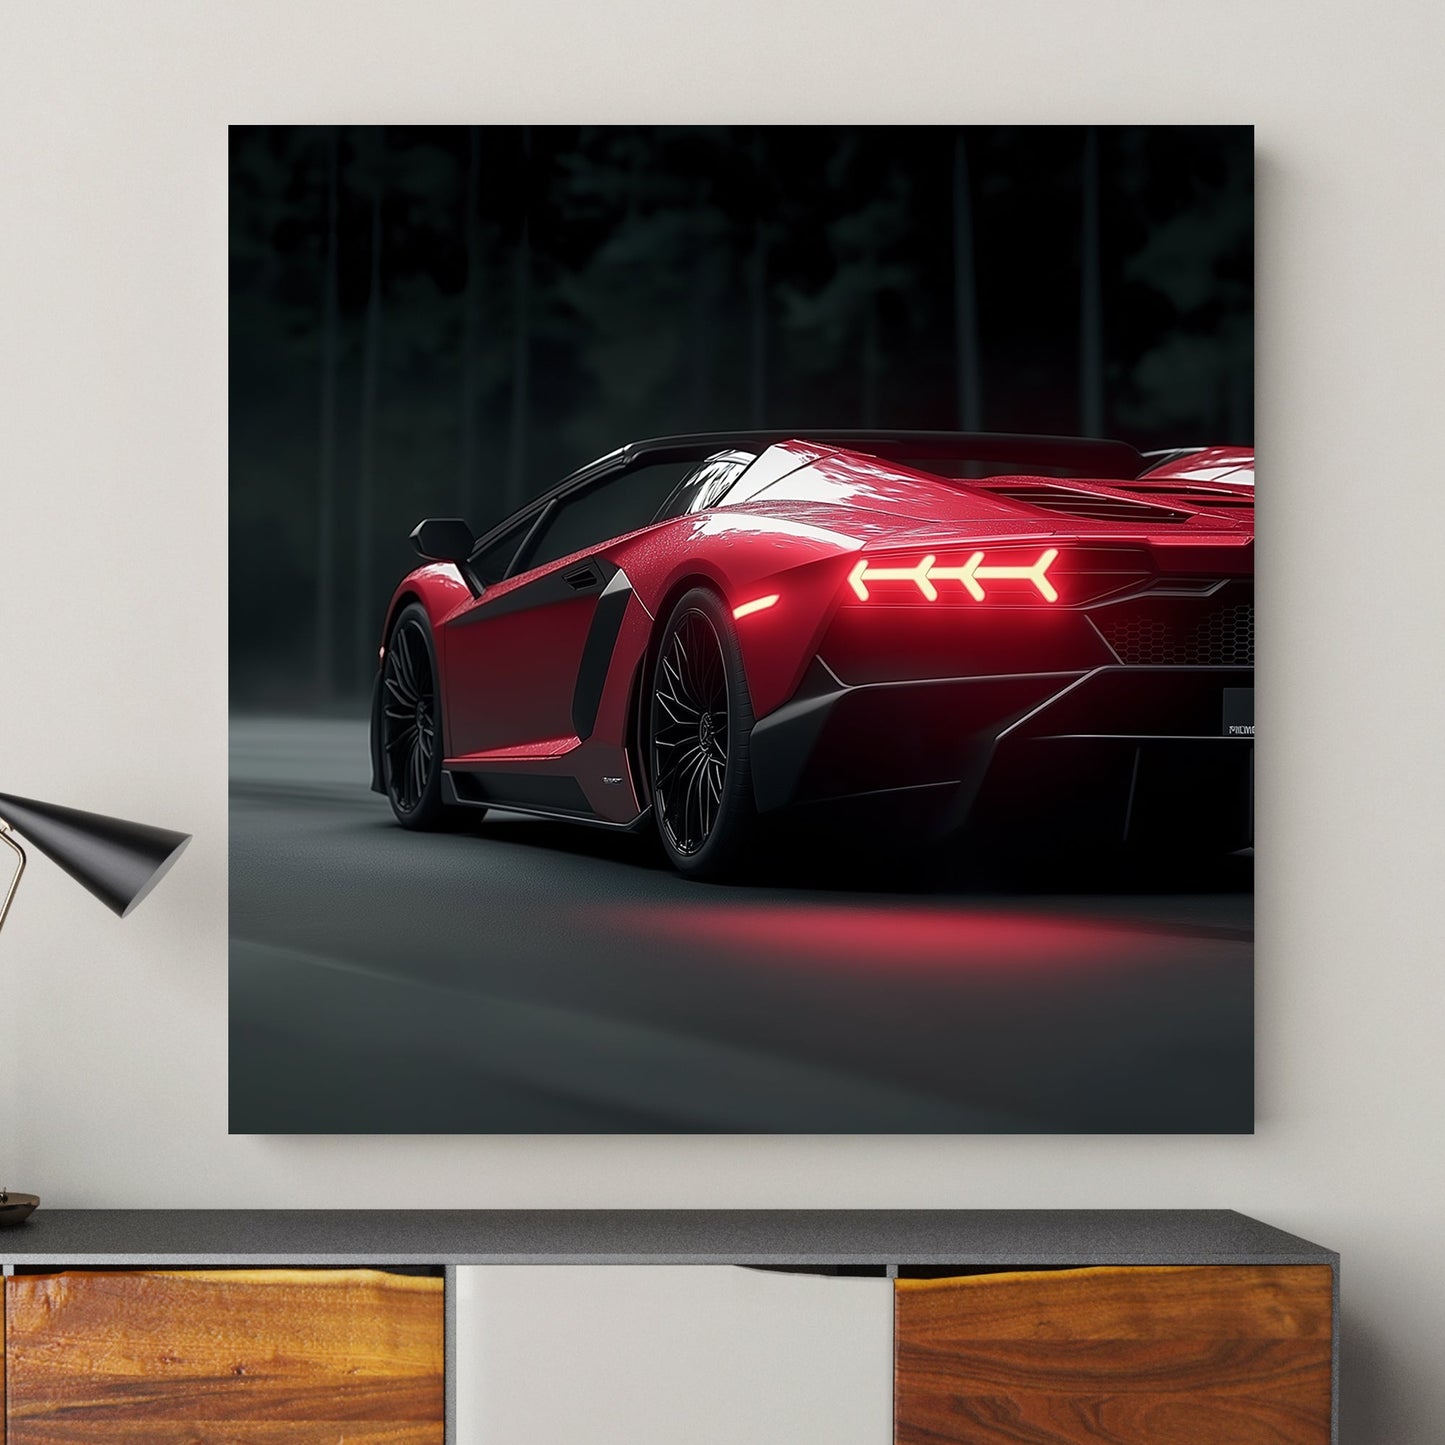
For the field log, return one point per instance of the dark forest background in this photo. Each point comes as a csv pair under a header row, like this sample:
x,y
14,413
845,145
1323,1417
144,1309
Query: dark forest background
x,y
446,321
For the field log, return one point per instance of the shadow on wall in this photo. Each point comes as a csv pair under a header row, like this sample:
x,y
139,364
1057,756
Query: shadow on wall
x,y
1371,1386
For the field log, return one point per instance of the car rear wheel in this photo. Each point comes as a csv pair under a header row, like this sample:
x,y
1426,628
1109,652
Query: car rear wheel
x,y
700,725
411,735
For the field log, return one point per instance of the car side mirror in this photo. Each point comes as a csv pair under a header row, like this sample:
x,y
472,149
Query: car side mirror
x,y
443,539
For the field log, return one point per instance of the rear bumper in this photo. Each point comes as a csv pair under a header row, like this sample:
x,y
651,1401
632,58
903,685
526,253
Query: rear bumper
x,y
1128,754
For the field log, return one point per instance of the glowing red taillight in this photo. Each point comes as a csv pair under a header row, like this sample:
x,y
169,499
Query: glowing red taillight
x,y
971,574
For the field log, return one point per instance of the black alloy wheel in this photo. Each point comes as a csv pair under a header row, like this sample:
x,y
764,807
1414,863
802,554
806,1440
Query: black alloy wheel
x,y
410,722
701,719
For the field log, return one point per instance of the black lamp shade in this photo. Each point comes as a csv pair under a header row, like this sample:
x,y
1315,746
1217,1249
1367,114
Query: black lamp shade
x,y
117,861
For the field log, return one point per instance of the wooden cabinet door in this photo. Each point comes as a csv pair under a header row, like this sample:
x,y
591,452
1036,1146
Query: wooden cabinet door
x,y
1130,1356
236,1357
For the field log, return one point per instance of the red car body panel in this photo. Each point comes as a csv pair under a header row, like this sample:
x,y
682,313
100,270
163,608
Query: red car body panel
x,y
1229,466
536,650
512,658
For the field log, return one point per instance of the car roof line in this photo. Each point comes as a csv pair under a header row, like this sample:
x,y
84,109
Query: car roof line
x,y
1086,457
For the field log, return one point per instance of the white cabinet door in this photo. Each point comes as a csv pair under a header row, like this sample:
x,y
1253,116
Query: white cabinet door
x,y
671,1355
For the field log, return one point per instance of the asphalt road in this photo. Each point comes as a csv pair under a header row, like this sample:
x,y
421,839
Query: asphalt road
x,y
531,976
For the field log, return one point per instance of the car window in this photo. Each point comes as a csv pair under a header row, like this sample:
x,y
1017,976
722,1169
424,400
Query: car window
x,y
602,511
759,474
492,563
705,485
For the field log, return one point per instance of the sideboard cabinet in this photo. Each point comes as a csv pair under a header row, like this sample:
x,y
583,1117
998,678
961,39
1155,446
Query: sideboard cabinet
x,y
1211,1353
174,1357
844,1328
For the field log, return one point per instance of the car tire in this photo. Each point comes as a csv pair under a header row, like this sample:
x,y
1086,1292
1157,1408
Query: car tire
x,y
699,729
409,719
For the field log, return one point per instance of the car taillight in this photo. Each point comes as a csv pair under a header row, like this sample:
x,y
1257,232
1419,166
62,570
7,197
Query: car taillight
x,y
978,574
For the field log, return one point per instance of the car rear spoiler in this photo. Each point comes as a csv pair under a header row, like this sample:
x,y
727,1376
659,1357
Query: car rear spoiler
x,y
1079,456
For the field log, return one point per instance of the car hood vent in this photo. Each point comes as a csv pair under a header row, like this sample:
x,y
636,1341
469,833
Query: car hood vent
x,y
1098,506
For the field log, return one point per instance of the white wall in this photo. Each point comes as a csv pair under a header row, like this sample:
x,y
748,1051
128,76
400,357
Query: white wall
x,y
113,563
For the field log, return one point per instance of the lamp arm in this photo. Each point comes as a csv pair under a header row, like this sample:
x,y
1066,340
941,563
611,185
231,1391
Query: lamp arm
x,y
8,839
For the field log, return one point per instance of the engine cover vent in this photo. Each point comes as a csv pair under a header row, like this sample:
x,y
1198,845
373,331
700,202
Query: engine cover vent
x,y
1070,503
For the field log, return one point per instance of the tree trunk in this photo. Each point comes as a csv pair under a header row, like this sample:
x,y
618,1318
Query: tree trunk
x,y
1091,305
700,332
965,296
871,358
364,613
326,488
758,298
758,310
521,340
471,317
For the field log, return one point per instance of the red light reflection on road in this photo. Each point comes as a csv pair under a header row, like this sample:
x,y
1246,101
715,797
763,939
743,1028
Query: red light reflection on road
x,y
884,937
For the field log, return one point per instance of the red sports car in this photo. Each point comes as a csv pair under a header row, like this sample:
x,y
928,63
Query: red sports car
x,y
901,633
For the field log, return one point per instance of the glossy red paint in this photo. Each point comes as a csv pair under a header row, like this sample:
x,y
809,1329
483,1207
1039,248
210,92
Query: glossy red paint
x,y
882,503
512,657
1230,466
438,587
511,674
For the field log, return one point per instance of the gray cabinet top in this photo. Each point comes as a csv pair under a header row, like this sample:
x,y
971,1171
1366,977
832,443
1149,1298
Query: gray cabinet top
x,y
800,1237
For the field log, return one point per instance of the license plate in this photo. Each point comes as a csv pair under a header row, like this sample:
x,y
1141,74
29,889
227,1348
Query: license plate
x,y
1238,712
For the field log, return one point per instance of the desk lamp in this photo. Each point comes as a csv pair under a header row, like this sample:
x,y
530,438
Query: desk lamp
x,y
117,861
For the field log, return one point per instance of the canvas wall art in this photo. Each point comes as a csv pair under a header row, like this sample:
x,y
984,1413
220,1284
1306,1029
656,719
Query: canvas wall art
x,y
741,629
